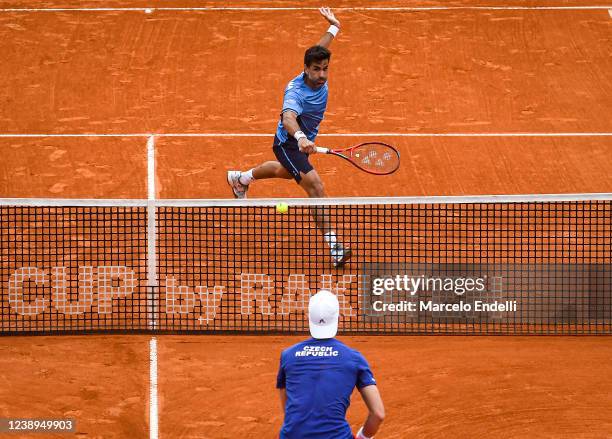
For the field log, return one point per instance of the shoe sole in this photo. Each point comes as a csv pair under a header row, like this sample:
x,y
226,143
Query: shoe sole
x,y
345,258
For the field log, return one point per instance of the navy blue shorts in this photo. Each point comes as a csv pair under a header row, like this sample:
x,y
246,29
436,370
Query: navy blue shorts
x,y
292,159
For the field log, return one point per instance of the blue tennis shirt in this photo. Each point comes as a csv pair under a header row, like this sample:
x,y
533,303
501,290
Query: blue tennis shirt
x,y
309,104
319,377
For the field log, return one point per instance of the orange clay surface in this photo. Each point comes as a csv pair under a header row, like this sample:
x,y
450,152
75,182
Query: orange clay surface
x,y
186,168
223,386
440,71
282,3
96,167
81,167
223,72
100,382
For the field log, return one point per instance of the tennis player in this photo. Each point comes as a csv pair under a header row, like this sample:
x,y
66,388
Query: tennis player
x,y
317,376
304,105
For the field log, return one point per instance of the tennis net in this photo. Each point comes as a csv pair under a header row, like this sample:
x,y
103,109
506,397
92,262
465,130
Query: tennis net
x,y
451,265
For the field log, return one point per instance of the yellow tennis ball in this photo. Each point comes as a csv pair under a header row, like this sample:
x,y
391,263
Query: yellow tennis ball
x,y
282,208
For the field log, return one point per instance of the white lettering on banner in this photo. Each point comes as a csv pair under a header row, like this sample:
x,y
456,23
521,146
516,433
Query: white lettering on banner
x,y
339,289
210,302
107,290
181,299
15,296
258,288
297,293
32,291
60,291
296,297
114,282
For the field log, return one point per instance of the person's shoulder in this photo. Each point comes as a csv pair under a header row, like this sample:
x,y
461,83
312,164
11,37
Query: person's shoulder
x,y
339,342
342,346
352,351
297,82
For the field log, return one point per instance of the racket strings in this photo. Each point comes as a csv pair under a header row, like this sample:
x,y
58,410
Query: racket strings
x,y
376,157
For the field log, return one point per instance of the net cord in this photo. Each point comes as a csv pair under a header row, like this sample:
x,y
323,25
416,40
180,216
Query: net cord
x,y
271,202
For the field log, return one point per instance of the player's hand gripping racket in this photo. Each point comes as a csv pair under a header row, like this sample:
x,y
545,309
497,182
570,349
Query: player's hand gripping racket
x,y
372,157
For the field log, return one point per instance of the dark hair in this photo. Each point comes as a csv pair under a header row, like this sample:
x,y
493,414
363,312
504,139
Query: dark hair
x,y
316,54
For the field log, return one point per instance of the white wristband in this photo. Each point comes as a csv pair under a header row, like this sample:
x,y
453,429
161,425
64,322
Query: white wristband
x,y
299,135
333,29
360,435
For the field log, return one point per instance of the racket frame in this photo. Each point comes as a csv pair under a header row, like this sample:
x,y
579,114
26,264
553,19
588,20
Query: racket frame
x,y
340,153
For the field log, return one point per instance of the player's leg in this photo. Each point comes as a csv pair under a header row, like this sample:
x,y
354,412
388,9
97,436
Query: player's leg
x,y
300,168
312,184
240,181
270,169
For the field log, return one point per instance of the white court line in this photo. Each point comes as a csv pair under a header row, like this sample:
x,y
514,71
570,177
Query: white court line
x,y
60,202
151,167
346,9
270,134
77,135
151,234
603,134
153,410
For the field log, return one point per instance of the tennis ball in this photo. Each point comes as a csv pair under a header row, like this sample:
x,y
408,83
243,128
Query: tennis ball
x,y
282,208
148,10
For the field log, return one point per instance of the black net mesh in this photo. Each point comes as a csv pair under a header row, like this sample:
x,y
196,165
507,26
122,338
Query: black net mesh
x,y
544,268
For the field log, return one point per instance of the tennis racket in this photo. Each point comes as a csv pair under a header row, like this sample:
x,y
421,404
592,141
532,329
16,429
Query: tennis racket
x,y
372,157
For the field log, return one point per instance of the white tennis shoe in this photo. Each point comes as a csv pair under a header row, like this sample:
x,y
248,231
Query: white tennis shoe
x,y
239,189
340,255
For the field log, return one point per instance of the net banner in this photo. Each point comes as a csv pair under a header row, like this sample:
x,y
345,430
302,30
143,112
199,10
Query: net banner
x,y
73,269
460,266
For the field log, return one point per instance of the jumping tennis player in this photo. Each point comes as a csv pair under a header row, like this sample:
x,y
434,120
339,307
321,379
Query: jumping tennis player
x,y
304,105
316,379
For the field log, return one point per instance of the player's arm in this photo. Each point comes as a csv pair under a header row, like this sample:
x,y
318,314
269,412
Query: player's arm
x,y
290,124
283,398
281,382
376,412
334,27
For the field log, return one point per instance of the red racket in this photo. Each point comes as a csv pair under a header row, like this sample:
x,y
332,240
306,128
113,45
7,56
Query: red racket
x,y
372,157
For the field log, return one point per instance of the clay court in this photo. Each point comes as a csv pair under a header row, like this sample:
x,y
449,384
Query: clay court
x,y
101,100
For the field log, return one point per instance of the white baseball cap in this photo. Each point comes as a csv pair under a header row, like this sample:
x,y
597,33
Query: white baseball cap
x,y
323,311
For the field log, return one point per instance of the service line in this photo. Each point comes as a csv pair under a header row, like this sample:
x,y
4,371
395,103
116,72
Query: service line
x,y
270,134
296,8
